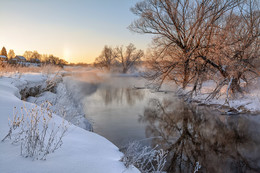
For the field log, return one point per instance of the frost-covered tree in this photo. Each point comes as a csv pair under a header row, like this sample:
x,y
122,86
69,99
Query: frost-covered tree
x,y
195,39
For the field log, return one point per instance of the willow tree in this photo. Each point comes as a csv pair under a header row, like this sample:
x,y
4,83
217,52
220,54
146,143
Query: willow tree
x,y
194,39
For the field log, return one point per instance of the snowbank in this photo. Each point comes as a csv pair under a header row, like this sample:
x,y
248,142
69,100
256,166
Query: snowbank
x,y
65,101
249,101
82,151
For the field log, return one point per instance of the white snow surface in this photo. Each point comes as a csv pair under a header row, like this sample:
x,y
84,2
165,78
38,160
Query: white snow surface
x,y
82,151
249,100
66,101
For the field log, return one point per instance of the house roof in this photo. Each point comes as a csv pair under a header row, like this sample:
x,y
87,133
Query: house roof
x,y
2,56
20,57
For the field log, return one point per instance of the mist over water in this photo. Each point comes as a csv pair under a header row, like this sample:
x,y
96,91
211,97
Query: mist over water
x,y
190,133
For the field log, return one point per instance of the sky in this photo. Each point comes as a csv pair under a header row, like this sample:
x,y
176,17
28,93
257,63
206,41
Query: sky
x,y
75,30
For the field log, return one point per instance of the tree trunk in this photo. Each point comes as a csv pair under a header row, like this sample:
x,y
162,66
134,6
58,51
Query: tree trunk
x,y
235,86
125,70
186,74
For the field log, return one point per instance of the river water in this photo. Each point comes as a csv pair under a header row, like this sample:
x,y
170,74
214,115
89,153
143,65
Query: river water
x,y
191,133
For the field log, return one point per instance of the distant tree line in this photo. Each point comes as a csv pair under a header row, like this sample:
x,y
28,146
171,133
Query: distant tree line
x,y
35,57
32,56
82,64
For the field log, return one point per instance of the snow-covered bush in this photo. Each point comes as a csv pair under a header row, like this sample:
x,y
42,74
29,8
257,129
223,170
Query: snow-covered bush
x,y
35,131
146,159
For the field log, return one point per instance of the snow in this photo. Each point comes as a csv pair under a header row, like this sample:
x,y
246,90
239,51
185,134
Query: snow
x,y
2,56
63,102
250,100
82,151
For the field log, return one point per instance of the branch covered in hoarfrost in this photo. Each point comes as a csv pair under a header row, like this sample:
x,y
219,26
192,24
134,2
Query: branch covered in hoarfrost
x,y
146,159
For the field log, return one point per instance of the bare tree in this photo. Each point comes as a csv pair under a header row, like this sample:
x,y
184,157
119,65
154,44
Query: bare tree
x,y
129,57
28,55
11,54
35,56
44,58
32,55
193,39
236,47
106,59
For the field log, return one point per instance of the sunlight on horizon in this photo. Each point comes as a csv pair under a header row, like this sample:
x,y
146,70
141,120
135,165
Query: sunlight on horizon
x,y
46,26
66,54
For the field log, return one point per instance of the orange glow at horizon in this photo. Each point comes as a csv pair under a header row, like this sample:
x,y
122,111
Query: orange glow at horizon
x,y
75,32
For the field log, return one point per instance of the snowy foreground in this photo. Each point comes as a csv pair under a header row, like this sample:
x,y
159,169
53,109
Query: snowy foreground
x,y
82,151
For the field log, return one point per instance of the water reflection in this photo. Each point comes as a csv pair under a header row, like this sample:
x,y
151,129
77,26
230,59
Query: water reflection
x,y
114,112
191,134
128,96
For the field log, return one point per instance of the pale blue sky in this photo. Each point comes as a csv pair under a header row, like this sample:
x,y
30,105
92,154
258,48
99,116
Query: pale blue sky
x,y
76,30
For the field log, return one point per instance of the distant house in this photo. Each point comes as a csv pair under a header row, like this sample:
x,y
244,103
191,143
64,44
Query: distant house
x,y
18,59
37,60
3,58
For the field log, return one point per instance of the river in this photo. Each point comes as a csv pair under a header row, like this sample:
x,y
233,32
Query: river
x,y
191,133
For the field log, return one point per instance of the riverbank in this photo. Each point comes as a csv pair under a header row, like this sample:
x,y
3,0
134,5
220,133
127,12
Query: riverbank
x,y
82,151
241,103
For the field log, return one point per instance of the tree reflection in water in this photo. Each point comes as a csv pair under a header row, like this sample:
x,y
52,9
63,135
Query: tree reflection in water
x,y
121,95
191,134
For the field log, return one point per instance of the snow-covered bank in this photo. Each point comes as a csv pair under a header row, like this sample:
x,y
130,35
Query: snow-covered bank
x,y
82,151
248,102
63,102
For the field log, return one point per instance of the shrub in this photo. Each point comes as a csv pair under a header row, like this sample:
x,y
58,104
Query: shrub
x,y
35,131
146,159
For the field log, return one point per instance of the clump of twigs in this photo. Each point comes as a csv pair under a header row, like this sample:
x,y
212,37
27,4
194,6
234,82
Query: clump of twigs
x,y
35,131
146,159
